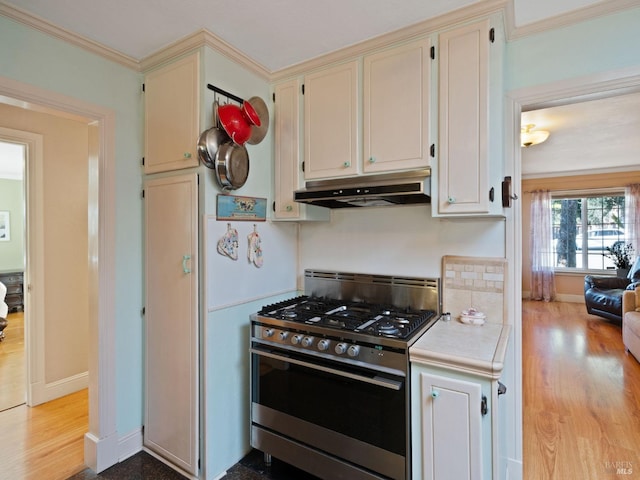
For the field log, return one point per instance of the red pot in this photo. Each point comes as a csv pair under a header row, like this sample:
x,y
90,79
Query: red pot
x,y
237,122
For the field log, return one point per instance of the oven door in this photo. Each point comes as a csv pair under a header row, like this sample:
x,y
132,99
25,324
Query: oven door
x,y
354,414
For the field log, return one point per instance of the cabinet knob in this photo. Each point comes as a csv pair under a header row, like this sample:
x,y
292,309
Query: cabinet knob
x,y
347,164
435,394
288,208
451,199
372,159
187,155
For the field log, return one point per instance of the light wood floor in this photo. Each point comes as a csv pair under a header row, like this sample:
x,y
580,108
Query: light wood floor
x,y
12,363
40,443
581,407
581,394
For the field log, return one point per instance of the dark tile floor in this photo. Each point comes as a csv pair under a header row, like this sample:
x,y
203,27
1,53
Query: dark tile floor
x,y
143,466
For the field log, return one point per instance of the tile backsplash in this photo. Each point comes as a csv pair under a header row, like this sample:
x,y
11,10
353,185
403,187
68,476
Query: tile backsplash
x,y
474,282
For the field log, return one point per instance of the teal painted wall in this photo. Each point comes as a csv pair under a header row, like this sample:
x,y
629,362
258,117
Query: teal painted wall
x,y
11,200
33,58
591,47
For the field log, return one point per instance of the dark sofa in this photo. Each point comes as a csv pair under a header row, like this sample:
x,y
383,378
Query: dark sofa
x,y
603,294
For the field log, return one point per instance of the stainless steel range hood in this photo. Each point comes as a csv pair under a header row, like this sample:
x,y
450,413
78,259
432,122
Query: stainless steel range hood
x,y
378,190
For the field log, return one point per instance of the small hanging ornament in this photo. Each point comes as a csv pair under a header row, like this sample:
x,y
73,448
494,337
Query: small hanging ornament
x,y
228,244
254,253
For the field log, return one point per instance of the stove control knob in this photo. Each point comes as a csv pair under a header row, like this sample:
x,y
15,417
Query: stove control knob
x,y
353,351
268,332
341,348
296,339
323,345
307,341
283,335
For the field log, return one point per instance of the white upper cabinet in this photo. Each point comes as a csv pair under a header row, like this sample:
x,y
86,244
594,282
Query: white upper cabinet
x,y
331,126
469,152
288,166
396,90
172,112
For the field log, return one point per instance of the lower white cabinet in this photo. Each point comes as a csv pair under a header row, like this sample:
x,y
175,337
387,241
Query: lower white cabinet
x,y
453,434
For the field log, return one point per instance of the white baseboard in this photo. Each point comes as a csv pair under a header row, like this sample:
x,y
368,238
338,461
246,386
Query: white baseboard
x,y
560,297
100,453
129,444
41,392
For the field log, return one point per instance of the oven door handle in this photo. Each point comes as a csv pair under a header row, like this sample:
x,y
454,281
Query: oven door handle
x,y
379,381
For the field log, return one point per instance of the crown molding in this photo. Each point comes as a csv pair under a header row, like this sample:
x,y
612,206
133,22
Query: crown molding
x,y
421,29
38,23
200,38
600,9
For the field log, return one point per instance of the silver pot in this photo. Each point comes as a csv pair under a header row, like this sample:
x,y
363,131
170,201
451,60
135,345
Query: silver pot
x,y
231,165
210,141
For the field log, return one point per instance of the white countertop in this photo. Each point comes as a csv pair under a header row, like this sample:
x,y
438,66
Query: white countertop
x,y
475,349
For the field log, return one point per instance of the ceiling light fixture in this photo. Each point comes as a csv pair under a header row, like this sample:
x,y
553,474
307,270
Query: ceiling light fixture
x,y
529,137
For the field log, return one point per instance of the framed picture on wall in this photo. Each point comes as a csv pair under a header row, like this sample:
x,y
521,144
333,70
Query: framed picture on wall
x,y
5,228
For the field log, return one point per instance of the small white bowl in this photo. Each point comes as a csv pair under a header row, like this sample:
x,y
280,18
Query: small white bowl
x,y
472,317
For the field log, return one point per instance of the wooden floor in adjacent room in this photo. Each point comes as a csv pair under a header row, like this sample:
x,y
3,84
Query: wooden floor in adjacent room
x,y
45,442
581,395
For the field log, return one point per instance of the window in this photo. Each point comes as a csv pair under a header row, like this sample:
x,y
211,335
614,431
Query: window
x,y
584,226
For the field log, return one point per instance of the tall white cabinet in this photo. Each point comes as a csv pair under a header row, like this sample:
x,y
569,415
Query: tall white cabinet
x,y
171,319
469,120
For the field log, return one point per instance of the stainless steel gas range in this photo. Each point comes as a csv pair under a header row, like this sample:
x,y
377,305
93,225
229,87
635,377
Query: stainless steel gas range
x,y
330,374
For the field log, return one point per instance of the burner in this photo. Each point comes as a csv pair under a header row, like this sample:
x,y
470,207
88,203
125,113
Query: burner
x,y
388,328
289,314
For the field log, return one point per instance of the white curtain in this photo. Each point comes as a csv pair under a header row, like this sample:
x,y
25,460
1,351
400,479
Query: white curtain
x,y
632,216
541,244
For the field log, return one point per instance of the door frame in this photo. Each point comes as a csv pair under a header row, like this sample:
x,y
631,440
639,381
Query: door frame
x,y
101,441
590,87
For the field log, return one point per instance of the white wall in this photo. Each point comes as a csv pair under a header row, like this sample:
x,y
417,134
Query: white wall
x,y
402,240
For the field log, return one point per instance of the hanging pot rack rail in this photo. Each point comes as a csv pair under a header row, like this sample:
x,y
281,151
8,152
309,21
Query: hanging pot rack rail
x,y
222,92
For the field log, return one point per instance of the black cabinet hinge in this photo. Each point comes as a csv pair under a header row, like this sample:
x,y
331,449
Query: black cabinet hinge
x,y
303,88
302,166
432,150
143,161
143,88
274,97
142,193
433,53
492,35
144,310
484,409
274,206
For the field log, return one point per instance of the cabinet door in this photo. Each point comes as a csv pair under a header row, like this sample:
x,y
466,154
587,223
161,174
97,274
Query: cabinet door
x,y
396,108
463,164
172,114
451,428
287,162
287,148
171,320
331,142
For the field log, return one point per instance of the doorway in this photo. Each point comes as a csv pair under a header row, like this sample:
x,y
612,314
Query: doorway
x,y
101,439
12,266
562,93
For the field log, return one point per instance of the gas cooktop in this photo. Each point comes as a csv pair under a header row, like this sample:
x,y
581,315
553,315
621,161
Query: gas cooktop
x,y
371,319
